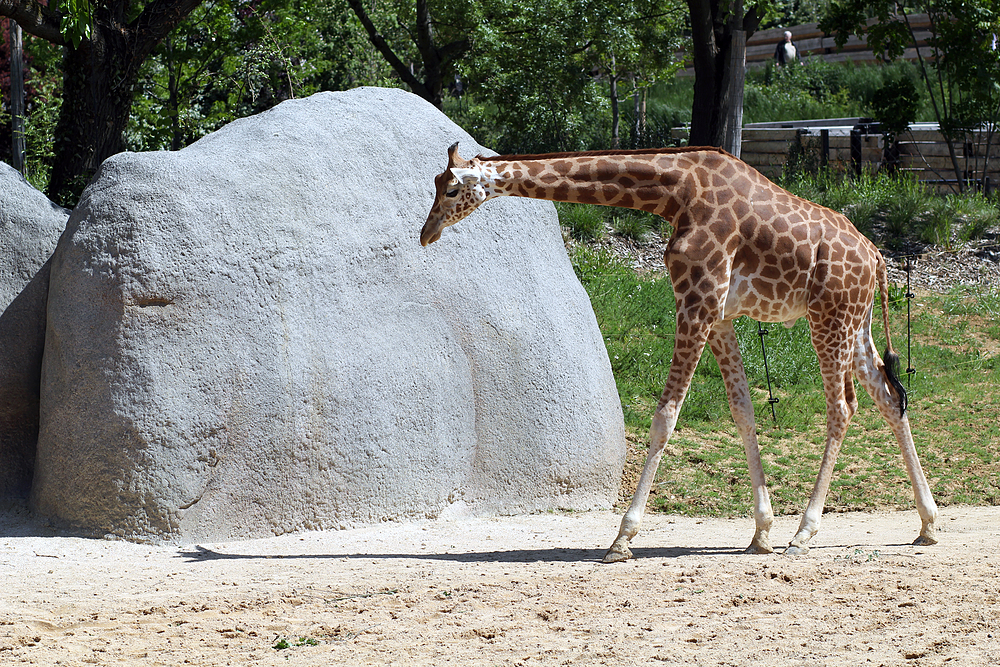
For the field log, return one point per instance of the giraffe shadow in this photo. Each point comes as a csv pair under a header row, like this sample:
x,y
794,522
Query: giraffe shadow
x,y
201,554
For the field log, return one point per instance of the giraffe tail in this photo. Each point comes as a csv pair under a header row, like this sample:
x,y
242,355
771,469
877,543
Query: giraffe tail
x,y
890,359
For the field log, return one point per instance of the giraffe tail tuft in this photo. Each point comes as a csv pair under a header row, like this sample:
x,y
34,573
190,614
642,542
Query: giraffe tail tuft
x,y
892,365
890,358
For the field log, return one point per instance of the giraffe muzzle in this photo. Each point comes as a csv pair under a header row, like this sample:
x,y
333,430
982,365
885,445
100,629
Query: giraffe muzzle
x,y
429,234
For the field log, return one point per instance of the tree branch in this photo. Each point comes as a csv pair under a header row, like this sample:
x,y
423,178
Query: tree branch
x,y
402,71
454,50
34,18
156,21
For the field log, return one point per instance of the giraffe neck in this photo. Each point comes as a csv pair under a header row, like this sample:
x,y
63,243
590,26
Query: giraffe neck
x,y
649,181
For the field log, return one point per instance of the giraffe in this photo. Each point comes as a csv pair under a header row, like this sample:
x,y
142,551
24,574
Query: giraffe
x,y
741,245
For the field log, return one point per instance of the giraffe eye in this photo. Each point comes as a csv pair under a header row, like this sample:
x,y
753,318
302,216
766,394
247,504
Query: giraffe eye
x,y
452,193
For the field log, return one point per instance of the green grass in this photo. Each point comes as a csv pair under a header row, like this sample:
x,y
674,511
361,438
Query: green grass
x,y
586,223
954,403
895,209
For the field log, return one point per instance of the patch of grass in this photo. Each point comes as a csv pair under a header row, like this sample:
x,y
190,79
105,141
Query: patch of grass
x,y
587,223
283,643
975,213
954,403
584,223
635,226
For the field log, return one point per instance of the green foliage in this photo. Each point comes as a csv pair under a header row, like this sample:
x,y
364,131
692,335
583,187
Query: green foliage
x,y
530,75
633,226
40,128
819,89
77,20
959,74
895,104
586,223
977,213
43,93
904,206
231,60
283,643
529,56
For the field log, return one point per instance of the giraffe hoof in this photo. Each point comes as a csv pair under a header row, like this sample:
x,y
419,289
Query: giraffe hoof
x,y
615,556
796,550
759,548
924,541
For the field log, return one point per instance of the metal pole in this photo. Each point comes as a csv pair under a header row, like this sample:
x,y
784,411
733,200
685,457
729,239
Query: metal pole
x,y
17,96
910,370
761,331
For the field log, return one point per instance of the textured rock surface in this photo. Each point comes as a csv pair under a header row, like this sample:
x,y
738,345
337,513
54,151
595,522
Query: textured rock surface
x,y
246,338
30,225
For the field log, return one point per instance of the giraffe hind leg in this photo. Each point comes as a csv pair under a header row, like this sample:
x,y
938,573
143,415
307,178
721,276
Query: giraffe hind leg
x,y
834,352
878,382
726,349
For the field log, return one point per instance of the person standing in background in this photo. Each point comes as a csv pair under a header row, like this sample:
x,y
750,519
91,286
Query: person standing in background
x,y
786,53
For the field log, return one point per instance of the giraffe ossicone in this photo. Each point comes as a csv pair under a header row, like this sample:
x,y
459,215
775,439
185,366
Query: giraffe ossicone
x,y
741,245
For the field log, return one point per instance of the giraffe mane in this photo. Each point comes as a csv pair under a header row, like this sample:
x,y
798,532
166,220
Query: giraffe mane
x,y
608,153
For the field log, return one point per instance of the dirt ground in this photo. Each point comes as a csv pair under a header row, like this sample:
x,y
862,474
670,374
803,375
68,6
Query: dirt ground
x,y
526,590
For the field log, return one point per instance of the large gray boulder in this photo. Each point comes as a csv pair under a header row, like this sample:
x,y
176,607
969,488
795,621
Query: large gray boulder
x,y
30,226
246,338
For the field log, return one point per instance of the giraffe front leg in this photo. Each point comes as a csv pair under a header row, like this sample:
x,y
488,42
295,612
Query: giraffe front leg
x,y
663,425
687,351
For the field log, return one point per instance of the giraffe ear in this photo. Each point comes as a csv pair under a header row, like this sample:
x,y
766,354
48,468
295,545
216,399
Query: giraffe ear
x,y
465,176
453,158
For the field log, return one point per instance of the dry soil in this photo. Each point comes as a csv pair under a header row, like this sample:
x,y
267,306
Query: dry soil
x,y
526,590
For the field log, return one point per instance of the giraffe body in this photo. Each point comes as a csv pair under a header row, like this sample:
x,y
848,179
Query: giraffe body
x,y
741,246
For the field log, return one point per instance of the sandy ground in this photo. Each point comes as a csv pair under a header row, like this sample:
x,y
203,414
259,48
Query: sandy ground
x,y
510,591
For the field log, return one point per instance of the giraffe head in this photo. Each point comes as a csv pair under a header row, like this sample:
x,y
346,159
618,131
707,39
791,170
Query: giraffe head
x,y
459,192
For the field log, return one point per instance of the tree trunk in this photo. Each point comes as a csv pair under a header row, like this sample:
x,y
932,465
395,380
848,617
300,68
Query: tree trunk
x,y
737,76
615,112
639,109
17,96
98,82
713,42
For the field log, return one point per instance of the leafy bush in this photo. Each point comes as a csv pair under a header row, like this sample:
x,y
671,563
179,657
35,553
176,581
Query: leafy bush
x,y
818,89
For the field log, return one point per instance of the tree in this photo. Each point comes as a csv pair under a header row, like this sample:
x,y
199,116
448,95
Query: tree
x,y
232,59
960,73
105,44
719,30
532,79
431,45
532,71
634,42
